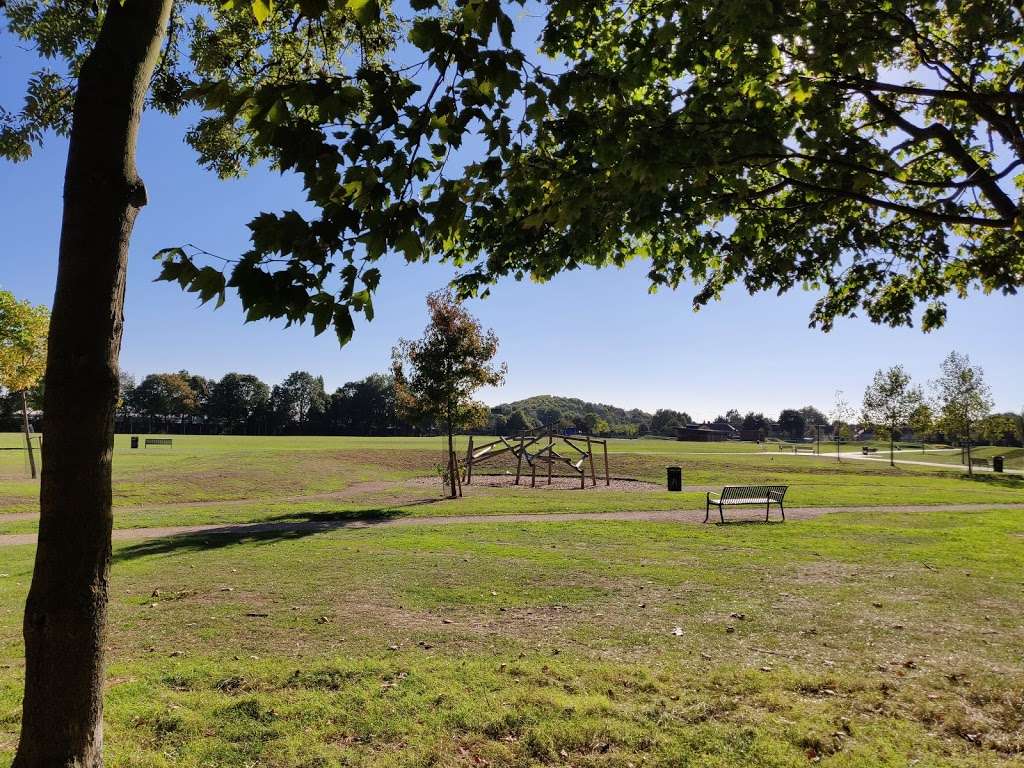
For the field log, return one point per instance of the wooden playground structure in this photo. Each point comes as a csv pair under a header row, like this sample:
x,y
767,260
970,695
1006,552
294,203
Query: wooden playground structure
x,y
537,448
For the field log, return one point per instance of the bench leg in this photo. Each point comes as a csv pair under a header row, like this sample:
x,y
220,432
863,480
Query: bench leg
x,y
767,511
707,508
782,509
721,513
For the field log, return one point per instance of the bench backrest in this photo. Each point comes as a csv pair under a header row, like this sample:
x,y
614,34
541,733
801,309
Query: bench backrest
x,y
983,462
159,441
754,492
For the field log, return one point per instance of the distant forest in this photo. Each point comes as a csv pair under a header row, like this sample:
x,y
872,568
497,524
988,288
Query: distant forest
x,y
242,404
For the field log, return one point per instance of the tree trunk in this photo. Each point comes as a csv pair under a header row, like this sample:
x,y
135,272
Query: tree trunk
x,y
451,460
65,616
28,434
892,440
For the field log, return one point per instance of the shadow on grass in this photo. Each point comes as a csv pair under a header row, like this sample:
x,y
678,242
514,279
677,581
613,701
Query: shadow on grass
x,y
748,522
282,528
995,478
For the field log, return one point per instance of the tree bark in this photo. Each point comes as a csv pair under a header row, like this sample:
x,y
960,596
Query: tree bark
x,y
28,434
65,616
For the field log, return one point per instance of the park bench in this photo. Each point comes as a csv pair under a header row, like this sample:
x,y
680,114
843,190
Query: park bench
x,y
787,447
734,495
979,462
159,441
868,449
803,449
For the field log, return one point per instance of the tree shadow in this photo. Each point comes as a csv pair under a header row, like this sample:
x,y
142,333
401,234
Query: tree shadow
x,y
1000,479
276,529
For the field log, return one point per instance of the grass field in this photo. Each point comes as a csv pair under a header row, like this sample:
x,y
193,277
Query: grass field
x,y
852,640
252,479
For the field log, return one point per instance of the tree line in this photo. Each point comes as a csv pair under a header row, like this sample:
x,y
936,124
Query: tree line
x,y
242,403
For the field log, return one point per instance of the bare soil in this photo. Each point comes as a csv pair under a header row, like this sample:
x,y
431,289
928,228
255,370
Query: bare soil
x,y
558,483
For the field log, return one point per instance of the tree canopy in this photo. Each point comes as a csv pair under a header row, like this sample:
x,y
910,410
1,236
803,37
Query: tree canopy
x,y
890,402
866,151
437,376
23,327
962,399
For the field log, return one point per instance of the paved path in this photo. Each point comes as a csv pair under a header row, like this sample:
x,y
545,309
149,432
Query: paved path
x,y
885,459
242,530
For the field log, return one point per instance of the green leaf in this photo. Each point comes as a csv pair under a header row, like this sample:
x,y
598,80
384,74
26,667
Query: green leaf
x,y
261,10
343,325
365,11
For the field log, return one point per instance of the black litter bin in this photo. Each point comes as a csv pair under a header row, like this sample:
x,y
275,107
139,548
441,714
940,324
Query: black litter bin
x,y
997,463
675,478
135,441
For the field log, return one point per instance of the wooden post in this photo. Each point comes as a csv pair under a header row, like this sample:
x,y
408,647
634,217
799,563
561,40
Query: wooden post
x,y
551,447
607,476
590,456
469,462
519,460
28,434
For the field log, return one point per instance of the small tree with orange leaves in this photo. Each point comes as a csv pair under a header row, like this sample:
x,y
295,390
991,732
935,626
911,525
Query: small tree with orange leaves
x,y
436,376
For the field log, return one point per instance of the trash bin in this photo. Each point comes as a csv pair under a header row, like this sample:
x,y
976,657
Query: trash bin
x,y
675,478
997,463
135,441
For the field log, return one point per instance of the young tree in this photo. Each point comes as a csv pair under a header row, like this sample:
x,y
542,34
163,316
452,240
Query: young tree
x,y
889,403
436,376
962,400
841,414
922,421
22,354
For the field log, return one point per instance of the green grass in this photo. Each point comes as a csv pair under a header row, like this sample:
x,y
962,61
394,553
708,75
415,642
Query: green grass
x,y
1014,457
250,479
857,640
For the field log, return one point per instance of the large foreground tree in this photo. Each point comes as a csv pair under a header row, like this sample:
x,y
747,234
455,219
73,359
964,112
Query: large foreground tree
x,y
107,63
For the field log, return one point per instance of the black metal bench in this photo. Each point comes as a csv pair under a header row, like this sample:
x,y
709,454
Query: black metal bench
x,y
735,495
159,441
868,449
979,462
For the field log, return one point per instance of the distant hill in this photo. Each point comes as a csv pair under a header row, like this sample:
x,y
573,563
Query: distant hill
x,y
548,409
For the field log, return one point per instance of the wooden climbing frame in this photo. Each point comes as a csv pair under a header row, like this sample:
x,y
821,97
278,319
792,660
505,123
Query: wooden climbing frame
x,y
540,448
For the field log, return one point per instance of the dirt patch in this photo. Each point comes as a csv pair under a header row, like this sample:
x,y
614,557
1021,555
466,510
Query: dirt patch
x,y
558,483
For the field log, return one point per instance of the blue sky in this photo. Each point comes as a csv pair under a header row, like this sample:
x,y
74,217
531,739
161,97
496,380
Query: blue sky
x,y
594,335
